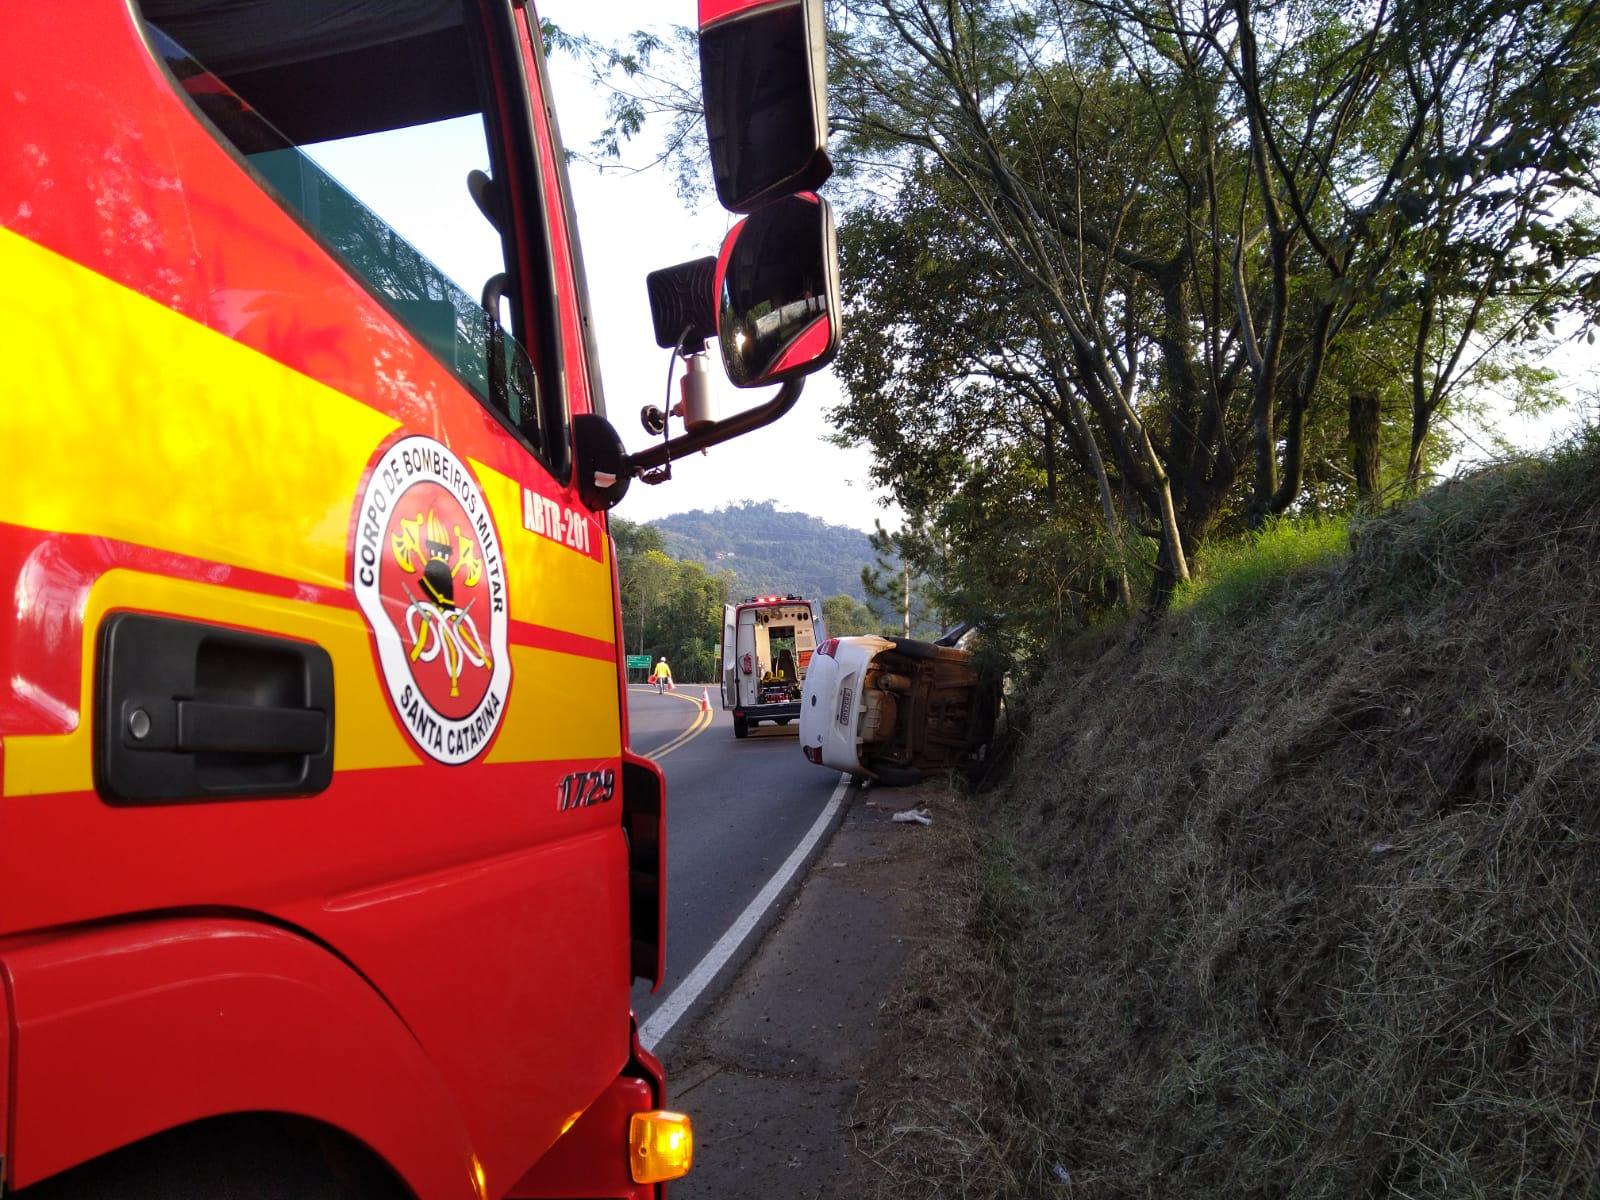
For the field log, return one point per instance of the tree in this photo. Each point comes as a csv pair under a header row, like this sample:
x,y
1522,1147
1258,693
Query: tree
x,y
845,616
669,607
1199,262
633,539
1092,150
894,589
1398,159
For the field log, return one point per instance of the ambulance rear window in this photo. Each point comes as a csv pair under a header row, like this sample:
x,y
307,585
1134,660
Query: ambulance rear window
x,y
368,120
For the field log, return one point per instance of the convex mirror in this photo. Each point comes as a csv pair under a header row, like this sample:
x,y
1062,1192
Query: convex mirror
x,y
777,291
763,78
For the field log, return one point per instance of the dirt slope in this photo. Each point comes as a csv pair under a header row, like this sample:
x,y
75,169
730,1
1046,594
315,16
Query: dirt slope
x,y
1302,899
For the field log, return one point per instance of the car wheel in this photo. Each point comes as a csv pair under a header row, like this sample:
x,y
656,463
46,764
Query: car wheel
x,y
741,727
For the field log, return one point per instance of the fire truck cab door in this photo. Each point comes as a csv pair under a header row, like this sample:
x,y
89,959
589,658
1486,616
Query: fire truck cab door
x,y
320,428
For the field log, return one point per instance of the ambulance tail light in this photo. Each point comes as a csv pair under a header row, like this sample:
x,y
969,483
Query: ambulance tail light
x,y
813,754
826,650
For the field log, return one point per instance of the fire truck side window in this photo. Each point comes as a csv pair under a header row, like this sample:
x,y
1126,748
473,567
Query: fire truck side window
x,y
389,98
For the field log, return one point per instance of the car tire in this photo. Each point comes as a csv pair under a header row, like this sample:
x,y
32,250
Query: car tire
x,y
741,727
783,720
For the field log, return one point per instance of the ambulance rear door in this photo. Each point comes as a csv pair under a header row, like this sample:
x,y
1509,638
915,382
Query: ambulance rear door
x,y
730,656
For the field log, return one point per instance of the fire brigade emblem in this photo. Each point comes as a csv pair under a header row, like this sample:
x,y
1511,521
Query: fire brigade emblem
x,y
429,576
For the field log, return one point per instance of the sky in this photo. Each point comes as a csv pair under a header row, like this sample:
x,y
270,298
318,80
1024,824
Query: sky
x,y
632,224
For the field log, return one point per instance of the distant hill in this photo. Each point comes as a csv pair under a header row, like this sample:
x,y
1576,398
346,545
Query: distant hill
x,y
769,550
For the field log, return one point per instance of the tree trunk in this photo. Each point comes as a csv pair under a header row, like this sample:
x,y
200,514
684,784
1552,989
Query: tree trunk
x,y
1305,388
1421,408
1364,446
1133,452
1421,422
1163,583
1077,425
1267,359
1050,460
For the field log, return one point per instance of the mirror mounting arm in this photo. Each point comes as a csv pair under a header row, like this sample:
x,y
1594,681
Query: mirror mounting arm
x,y
715,433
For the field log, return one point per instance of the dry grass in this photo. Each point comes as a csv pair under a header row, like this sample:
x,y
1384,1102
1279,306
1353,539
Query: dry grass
x,y
1301,902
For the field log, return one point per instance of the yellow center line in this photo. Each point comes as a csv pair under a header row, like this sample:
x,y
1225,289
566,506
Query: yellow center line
x,y
701,722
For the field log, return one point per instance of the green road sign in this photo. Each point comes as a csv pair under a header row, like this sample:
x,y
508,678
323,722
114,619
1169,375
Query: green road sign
x,y
638,660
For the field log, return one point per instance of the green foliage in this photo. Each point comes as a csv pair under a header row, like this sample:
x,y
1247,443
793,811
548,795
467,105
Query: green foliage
x,y
845,616
1117,273
669,607
1234,573
651,77
897,591
1029,574
633,539
1306,906
767,550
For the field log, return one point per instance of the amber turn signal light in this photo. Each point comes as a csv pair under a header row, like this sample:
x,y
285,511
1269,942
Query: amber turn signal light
x,y
660,1146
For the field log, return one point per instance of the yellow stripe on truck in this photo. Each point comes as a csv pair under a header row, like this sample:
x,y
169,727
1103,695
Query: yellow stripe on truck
x,y
365,735
561,706
568,590
141,401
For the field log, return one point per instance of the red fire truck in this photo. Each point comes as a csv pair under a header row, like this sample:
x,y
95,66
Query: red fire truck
x,y
324,867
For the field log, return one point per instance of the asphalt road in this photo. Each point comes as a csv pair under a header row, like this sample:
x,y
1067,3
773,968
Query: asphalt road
x,y
735,811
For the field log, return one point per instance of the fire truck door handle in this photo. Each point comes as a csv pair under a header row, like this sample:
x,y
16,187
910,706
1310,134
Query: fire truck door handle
x,y
250,729
186,710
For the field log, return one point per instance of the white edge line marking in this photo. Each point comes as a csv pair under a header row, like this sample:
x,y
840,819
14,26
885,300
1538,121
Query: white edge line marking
x,y
660,1022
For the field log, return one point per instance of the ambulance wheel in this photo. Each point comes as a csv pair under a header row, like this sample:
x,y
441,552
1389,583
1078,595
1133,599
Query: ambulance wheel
x,y
783,720
741,727
242,1158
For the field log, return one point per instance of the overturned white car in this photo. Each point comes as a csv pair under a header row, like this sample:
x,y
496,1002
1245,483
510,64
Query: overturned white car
x,y
894,710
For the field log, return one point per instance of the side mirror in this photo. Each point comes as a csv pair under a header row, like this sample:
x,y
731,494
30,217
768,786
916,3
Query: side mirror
x,y
602,465
763,78
777,293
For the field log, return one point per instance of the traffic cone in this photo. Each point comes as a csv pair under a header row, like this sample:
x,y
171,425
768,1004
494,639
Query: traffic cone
x,y
705,699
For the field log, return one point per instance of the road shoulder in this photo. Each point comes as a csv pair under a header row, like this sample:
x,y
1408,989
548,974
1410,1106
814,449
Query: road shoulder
x,y
771,1073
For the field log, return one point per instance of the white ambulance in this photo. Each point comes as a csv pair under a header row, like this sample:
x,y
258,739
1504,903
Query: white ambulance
x,y
767,644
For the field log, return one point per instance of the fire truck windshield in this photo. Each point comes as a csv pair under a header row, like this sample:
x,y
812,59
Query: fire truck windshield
x,y
365,87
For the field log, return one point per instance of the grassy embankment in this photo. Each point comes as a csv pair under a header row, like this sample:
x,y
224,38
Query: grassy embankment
x,y
1301,896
